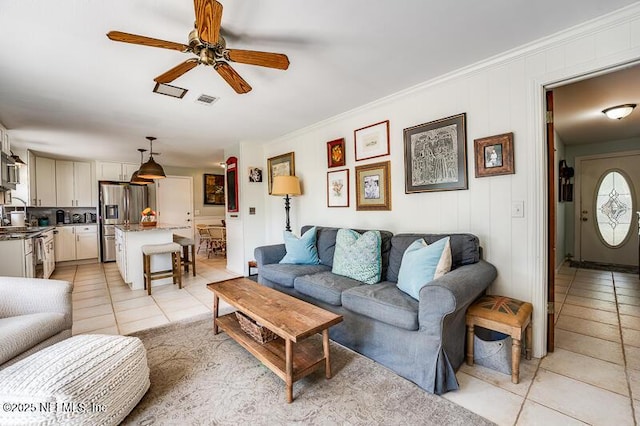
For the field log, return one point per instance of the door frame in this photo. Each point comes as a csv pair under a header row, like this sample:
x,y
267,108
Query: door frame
x,y
577,198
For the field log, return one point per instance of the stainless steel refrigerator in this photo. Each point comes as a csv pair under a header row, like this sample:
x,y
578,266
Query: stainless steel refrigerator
x,y
120,204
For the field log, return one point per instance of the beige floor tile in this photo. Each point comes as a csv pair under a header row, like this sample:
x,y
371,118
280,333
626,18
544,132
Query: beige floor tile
x,y
636,407
622,291
536,414
169,294
561,290
576,399
88,287
132,294
179,303
137,314
89,294
590,314
95,301
593,273
143,324
634,285
631,337
92,311
629,310
590,328
560,298
95,323
527,370
599,295
135,303
586,369
590,346
628,321
591,303
629,300
177,315
592,287
107,330
480,397
119,289
633,357
90,278
626,277
634,383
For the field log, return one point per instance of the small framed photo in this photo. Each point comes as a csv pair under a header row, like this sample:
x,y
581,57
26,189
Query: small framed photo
x,y
335,153
435,155
338,188
281,165
255,174
494,155
372,141
373,186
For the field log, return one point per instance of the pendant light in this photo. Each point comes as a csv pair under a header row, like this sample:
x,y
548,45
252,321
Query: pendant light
x,y
151,169
135,178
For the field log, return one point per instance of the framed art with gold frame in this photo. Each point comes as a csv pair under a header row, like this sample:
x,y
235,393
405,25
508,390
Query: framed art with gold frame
x,y
494,155
373,186
281,165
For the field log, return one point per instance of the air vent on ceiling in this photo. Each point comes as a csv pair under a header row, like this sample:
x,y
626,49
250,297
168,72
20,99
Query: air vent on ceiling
x,y
206,99
169,90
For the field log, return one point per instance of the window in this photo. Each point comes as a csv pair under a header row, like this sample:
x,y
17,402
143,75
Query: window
x,y
613,208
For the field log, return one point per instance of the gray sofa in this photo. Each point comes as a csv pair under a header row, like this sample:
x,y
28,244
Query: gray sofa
x,y
423,340
34,314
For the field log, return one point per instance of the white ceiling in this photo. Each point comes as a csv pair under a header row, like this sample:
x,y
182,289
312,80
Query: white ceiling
x,y
65,89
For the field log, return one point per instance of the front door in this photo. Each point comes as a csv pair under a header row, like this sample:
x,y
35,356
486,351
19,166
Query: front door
x,y
607,223
174,196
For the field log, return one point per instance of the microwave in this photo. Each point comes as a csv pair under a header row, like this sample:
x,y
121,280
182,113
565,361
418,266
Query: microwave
x,y
9,173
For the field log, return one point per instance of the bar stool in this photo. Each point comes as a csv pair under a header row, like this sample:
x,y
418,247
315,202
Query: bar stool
x,y
149,250
187,260
505,315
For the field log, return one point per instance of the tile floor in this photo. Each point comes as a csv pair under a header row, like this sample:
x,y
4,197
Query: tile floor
x,y
593,377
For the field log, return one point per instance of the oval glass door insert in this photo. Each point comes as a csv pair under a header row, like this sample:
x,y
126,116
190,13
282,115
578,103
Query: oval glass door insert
x,y
614,205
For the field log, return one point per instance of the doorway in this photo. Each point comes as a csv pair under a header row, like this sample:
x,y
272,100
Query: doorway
x,y
174,198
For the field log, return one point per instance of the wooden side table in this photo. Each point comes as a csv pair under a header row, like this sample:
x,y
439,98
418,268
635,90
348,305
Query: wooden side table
x,y
506,315
252,264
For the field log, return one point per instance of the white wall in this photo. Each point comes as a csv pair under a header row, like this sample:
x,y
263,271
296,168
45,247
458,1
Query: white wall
x,y
502,94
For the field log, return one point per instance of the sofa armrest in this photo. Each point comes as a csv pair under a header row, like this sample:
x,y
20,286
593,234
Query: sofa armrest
x,y
266,255
453,291
20,296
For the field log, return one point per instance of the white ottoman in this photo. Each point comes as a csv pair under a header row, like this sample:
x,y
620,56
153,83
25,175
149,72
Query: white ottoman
x,y
88,379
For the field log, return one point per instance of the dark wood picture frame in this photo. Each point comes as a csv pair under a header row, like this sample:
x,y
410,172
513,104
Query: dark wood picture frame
x,y
435,155
371,141
336,153
494,155
284,164
213,189
373,186
338,188
232,185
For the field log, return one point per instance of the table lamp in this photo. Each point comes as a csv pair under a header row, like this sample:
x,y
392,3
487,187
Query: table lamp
x,y
286,185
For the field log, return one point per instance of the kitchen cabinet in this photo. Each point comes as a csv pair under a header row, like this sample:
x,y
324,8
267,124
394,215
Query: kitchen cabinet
x,y
115,171
73,184
45,194
76,242
16,258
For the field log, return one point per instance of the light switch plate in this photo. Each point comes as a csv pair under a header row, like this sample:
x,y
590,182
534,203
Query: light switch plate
x,y
517,209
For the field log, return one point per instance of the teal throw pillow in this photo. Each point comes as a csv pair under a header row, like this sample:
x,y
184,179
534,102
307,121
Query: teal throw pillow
x,y
358,256
303,250
423,263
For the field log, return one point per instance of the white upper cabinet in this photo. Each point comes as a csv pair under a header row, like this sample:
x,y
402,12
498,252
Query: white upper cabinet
x,y
45,194
115,171
73,184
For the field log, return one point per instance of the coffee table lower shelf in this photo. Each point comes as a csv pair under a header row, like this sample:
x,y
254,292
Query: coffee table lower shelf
x,y
305,354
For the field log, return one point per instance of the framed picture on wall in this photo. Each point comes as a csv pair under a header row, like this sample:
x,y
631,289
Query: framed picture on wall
x,y
255,174
335,153
372,141
214,189
494,155
373,186
232,184
338,188
281,165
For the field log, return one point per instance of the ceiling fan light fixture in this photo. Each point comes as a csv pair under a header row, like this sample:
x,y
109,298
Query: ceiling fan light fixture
x,y
169,90
618,112
151,169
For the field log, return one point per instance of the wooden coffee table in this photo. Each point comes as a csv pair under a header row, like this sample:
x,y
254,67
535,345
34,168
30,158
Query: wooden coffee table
x,y
293,320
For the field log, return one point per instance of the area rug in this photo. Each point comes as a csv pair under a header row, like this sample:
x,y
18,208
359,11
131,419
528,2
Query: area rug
x,y
198,378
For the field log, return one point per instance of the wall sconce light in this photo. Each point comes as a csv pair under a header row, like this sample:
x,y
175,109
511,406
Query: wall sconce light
x,y
619,112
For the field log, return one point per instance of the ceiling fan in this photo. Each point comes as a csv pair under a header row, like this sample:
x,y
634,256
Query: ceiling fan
x,y
210,48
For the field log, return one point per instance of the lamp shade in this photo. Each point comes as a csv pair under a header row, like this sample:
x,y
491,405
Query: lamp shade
x,y
135,178
286,185
151,169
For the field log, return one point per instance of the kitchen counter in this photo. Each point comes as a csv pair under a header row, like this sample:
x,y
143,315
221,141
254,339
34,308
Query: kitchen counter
x,y
159,227
10,233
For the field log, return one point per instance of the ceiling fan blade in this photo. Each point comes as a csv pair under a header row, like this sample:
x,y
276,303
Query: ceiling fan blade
x,y
146,41
263,59
208,18
232,77
176,71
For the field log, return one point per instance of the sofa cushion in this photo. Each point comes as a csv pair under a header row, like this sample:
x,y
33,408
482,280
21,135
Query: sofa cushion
x,y
301,250
22,332
326,243
383,302
465,250
325,286
422,263
284,274
358,256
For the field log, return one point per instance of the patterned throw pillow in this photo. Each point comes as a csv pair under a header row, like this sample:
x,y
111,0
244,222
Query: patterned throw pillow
x,y
358,256
303,250
423,263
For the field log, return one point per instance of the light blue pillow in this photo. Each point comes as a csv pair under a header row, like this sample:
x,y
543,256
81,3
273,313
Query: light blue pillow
x,y
303,250
358,256
422,263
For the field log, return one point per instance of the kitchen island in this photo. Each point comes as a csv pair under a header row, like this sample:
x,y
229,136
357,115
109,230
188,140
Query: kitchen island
x,y
129,242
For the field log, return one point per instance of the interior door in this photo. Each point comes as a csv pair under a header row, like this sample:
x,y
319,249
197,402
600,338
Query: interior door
x,y
174,199
607,223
